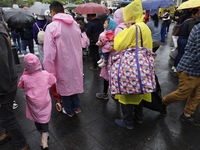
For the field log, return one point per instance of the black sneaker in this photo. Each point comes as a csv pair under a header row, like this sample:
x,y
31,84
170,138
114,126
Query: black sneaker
x,y
189,120
163,110
102,96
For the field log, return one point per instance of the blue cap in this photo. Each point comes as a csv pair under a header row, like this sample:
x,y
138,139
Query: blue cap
x,y
153,12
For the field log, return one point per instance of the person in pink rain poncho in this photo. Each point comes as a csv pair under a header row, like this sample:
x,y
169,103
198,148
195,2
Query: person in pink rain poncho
x,y
63,57
120,25
106,39
36,84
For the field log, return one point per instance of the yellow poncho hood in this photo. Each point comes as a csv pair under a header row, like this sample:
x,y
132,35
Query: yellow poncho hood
x,y
127,38
133,11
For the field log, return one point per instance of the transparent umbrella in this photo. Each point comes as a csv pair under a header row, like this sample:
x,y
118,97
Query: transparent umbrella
x,y
39,9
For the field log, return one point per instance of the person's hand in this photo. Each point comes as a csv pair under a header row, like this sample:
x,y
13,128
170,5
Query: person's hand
x,y
24,69
111,47
97,43
130,23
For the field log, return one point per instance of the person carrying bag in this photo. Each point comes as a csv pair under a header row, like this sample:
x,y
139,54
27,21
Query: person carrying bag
x,y
127,39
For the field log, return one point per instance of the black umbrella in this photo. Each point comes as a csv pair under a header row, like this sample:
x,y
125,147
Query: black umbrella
x,y
19,18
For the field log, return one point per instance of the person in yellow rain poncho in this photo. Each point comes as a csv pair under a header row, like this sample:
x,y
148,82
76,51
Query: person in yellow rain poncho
x,y
127,38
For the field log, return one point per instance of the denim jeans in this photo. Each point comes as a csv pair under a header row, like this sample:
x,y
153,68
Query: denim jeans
x,y
16,37
30,45
9,122
71,102
105,56
41,52
128,110
181,49
163,32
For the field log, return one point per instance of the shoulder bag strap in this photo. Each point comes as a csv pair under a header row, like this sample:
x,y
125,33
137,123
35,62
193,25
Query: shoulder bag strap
x,y
185,21
44,26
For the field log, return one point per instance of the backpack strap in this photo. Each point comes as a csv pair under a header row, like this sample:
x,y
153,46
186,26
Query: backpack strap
x,y
40,29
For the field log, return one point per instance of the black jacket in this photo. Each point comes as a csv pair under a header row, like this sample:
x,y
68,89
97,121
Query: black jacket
x,y
94,28
8,73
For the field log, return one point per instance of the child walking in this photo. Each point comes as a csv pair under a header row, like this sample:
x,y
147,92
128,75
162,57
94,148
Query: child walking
x,y
106,39
36,84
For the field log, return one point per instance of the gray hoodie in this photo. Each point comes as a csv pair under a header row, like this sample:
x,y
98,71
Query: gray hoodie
x,y
8,73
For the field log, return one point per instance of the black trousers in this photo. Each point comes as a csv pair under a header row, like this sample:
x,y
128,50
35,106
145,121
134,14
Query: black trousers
x,y
42,127
8,121
94,51
128,110
105,86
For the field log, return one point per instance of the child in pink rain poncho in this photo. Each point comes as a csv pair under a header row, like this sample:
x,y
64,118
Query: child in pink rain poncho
x,y
36,84
106,39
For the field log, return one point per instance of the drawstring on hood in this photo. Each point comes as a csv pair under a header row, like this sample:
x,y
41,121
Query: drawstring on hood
x,y
32,63
68,19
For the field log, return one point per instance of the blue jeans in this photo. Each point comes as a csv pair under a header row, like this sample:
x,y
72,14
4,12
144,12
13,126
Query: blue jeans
x,y
71,102
41,52
28,43
105,56
181,49
163,32
16,37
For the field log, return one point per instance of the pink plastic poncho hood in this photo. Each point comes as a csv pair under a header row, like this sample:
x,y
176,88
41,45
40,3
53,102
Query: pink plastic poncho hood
x,y
32,63
63,17
118,17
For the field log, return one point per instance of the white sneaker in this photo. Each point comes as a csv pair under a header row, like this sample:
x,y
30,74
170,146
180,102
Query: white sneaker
x,y
100,61
15,105
64,112
173,68
102,65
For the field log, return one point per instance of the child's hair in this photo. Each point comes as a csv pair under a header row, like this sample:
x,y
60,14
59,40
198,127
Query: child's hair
x,y
82,28
108,19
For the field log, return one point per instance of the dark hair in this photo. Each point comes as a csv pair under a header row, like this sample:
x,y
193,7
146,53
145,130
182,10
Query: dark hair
x,y
93,15
80,18
155,18
108,19
110,11
82,28
187,14
57,7
165,10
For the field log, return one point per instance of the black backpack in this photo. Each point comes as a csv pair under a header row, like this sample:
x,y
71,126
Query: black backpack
x,y
28,33
155,97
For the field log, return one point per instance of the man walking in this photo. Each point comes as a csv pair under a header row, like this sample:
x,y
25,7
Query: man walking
x,y
188,71
63,57
8,88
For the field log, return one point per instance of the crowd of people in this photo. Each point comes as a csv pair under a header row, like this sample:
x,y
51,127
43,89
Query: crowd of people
x,y
64,40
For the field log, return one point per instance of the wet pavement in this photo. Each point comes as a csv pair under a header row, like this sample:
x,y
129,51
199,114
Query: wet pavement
x,y
94,128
